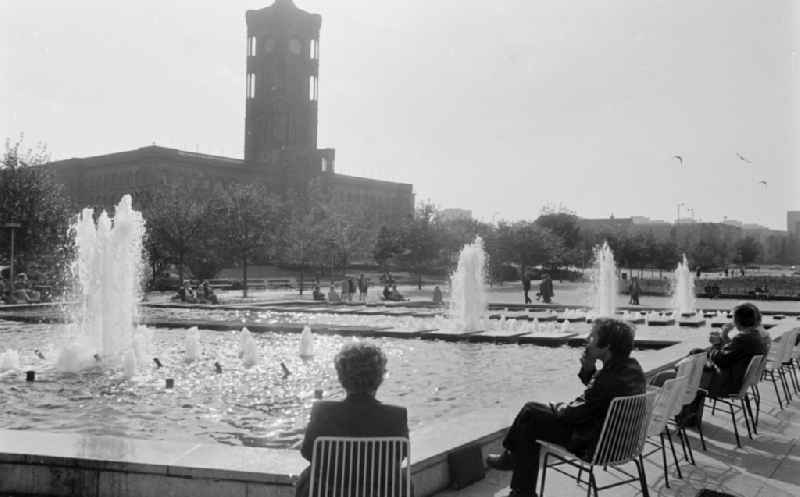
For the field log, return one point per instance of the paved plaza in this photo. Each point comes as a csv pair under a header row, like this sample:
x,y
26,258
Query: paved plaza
x,y
767,466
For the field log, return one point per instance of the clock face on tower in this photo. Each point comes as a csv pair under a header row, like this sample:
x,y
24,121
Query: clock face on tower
x,y
294,46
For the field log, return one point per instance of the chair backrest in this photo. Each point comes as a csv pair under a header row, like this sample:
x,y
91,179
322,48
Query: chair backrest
x,y
624,429
360,467
787,345
664,405
752,374
698,362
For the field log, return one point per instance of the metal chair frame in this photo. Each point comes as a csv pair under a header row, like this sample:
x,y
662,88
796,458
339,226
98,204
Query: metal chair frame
x,y
775,362
750,378
666,405
349,459
698,362
621,441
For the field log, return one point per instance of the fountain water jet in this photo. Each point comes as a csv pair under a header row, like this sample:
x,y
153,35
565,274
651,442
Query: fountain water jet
x,y
468,299
683,299
604,280
306,343
108,269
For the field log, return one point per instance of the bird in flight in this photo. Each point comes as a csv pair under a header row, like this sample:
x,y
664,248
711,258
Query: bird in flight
x,y
679,158
743,158
763,182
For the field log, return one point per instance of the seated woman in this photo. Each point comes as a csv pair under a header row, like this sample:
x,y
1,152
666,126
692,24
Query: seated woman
x,y
728,359
361,368
396,295
333,297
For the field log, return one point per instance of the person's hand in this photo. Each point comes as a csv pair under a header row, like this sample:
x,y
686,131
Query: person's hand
x,y
587,362
725,330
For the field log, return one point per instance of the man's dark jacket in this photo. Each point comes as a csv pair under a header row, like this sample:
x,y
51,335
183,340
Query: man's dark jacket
x,y
617,378
732,360
356,416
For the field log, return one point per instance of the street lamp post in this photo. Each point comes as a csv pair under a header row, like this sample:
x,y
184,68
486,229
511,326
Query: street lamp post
x,y
678,218
13,227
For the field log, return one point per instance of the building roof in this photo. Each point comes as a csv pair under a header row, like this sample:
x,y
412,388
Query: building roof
x,y
150,151
360,181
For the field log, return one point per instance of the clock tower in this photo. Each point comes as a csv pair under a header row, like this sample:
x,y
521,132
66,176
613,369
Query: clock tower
x,y
281,82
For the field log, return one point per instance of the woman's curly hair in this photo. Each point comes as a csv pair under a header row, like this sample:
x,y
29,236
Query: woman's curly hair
x,y
360,367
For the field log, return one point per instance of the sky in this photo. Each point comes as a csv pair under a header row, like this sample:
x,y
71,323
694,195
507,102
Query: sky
x,y
501,107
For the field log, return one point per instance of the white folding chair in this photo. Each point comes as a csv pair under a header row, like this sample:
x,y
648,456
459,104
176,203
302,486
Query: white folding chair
x,y
621,441
750,378
787,364
664,408
778,354
693,366
360,467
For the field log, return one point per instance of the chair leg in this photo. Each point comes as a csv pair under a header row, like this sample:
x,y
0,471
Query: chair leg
x,y
746,419
688,445
674,457
775,385
735,429
543,470
642,477
787,394
757,398
796,382
683,443
664,459
590,485
714,408
702,438
753,420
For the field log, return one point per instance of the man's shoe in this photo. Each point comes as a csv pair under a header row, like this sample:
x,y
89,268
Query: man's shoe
x,y
502,462
519,493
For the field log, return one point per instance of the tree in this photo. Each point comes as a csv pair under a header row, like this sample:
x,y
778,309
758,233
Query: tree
x,y
252,222
747,251
527,244
178,226
387,247
419,241
30,196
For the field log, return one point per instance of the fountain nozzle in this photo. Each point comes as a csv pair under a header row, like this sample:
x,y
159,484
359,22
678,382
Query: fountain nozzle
x,y
286,371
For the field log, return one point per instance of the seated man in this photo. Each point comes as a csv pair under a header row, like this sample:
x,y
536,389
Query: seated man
x,y
318,295
387,292
576,425
361,368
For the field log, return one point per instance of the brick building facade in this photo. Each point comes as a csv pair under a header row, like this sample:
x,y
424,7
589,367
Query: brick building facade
x,y
280,149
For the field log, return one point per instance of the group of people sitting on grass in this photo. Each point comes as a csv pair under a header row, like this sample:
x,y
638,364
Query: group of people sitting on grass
x,y
576,425
22,292
203,294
